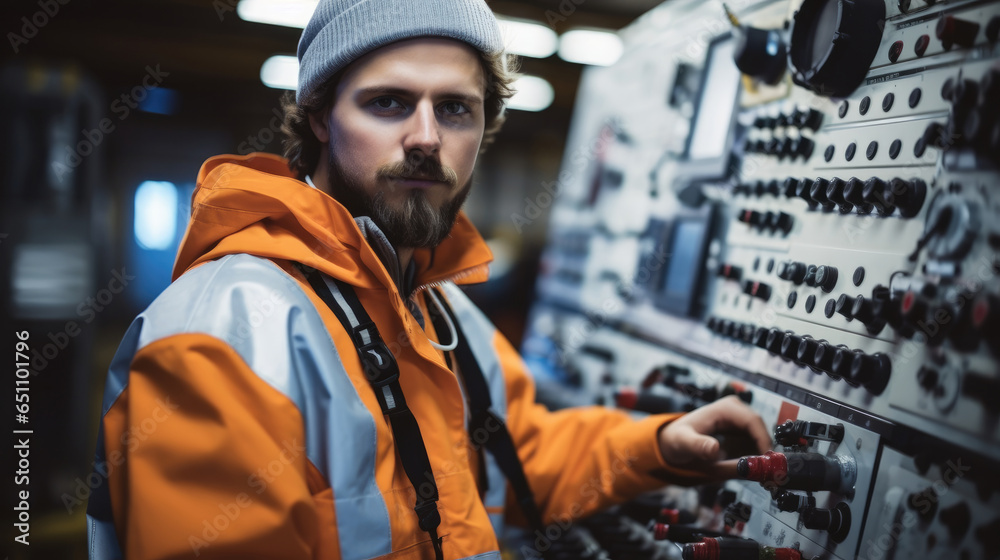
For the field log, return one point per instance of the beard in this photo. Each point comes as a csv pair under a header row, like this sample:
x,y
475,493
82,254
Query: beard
x,y
413,224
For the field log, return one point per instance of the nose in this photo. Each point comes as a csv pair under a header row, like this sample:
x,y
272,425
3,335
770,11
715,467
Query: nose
x,y
422,133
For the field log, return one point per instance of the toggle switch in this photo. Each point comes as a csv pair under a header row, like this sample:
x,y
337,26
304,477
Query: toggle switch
x,y
802,433
790,501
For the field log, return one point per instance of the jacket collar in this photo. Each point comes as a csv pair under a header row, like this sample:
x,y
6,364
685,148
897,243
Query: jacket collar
x,y
254,204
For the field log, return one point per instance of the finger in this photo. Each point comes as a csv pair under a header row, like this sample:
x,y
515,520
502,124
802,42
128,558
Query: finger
x,y
723,470
689,445
740,416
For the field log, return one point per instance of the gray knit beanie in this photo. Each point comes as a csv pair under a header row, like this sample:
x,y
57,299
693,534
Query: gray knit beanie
x,y
341,31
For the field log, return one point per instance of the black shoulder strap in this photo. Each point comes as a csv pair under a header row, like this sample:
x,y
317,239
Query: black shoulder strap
x,y
487,427
382,373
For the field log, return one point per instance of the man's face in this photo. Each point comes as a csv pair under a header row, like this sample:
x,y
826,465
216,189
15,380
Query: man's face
x,y
403,135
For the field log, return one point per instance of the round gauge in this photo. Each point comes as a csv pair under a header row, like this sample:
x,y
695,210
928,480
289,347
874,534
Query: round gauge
x,y
833,43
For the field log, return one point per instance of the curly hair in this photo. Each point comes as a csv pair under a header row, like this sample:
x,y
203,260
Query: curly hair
x,y
302,148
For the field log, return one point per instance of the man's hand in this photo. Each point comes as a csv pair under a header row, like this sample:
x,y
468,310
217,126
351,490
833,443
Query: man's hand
x,y
688,443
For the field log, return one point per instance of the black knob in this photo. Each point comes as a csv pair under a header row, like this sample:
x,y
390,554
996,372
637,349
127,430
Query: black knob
x,y
836,521
826,278
840,367
772,188
928,378
993,29
790,187
780,221
810,279
845,306
818,193
872,371
760,337
786,148
854,192
804,191
908,196
982,388
807,350
812,119
792,271
790,347
823,357
774,340
757,290
957,519
978,125
730,272
802,147
989,85
751,217
772,147
741,190
874,194
830,55
869,312
964,97
761,53
954,31
835,194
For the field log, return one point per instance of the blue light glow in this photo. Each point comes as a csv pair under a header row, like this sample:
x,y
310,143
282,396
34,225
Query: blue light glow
x,y
156,215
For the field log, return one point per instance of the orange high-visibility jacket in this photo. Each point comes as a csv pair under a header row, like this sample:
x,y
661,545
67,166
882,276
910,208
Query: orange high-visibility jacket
x,y
238,423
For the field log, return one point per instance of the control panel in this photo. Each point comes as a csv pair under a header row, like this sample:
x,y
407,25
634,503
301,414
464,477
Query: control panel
x,y
796,203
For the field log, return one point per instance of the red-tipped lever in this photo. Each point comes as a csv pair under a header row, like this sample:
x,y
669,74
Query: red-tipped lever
x,y
728,548
800,471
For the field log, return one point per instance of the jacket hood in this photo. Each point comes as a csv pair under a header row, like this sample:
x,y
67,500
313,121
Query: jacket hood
x,y
254,204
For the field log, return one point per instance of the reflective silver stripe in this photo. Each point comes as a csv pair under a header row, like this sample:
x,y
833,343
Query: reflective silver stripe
x,y
272,324
497,520
492,555
102,539
480,332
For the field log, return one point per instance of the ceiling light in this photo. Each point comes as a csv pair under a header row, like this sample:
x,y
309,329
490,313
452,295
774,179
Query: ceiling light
x,y
590,46
290,13
533,94
526,38
280,72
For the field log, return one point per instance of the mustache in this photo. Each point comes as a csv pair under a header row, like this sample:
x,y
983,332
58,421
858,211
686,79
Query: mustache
x,y
425,168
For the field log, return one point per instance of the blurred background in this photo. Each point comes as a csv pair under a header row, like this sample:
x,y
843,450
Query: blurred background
x,y
108,110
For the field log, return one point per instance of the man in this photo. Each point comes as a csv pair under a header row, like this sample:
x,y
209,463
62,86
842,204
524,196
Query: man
x,y
243,415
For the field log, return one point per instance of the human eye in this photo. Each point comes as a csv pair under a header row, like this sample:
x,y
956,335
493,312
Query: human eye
x,y
454,108
385,104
